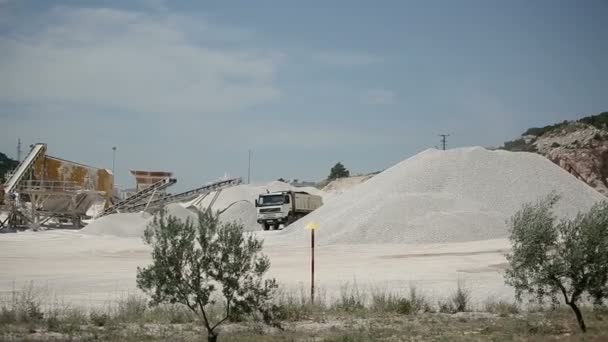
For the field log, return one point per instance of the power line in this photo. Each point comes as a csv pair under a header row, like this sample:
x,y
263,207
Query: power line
x,y
443,140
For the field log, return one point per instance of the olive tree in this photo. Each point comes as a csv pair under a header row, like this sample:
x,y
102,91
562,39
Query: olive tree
x,y
552,258
199,264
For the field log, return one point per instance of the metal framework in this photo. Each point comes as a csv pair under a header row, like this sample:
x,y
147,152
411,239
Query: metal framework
x,y
139,196
184,196
27,200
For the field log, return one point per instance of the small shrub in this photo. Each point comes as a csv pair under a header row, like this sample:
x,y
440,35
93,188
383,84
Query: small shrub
x,y
71,320
171,313
294,306
446,306
419,302
351,299
501,308
99,318
24,306
131,309
383,301
52,322
519,145
461,298
7,316
33,312
405,307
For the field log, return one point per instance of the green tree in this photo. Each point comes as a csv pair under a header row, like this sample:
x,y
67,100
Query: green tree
x,y
6,165
338,171
567,257
196,264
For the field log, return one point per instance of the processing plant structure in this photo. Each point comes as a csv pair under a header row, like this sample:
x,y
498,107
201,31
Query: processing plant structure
x,y
45,190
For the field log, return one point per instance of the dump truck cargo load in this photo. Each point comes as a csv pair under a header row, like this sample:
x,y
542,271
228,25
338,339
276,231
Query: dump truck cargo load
x,y
305,202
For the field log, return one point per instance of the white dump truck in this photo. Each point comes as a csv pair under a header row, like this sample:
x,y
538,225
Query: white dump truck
x,y
279,209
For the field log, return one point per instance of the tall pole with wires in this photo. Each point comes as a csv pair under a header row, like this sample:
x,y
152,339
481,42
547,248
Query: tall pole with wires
x,y
249,167
443,140
113,165
19,149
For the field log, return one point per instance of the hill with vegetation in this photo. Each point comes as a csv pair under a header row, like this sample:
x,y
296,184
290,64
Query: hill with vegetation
x,y
579,146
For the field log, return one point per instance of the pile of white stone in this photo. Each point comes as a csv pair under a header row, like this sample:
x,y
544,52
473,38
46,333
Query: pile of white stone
x,y
437,196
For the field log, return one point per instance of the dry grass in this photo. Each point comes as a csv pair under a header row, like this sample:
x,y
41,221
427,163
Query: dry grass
x,y
355,315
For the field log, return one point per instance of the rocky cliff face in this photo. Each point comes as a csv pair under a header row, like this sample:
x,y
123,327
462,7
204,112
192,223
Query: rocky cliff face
x,y
578,147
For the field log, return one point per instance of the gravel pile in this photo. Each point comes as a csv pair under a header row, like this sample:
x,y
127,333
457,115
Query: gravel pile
x,y
121,225
436,196
133,224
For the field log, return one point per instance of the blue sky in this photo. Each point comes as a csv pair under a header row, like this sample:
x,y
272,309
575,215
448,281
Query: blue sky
x,y
190,86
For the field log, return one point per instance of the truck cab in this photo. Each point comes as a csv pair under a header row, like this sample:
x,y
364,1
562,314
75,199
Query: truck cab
x,y
279,209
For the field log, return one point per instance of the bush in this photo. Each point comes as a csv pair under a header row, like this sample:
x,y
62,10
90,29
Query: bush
x,y
419,302
99,318
351,299
539,131
131,309
460,298
446,306
69,320
295,306
501,308
598,121
519,145
23,306
384,301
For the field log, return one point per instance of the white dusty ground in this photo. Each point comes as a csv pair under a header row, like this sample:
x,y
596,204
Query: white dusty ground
x,y
89,270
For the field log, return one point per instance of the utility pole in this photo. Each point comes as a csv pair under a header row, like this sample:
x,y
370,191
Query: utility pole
x,y
443,140
249,167
113,161
19,149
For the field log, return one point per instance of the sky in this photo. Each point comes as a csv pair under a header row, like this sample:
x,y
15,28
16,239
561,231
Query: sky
x,y
192,86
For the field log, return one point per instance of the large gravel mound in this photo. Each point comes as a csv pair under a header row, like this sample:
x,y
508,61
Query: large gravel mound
x,y
457,195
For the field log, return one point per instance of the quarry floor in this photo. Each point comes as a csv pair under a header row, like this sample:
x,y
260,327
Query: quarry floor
x,y
92,270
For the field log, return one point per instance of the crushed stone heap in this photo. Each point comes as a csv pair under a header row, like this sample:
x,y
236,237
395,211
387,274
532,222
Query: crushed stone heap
x,y
438,196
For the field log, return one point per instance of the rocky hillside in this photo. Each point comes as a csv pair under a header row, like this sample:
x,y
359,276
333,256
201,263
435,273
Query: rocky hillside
x,y
580,147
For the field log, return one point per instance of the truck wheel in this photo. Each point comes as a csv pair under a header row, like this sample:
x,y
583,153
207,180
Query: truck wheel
x,y
266,226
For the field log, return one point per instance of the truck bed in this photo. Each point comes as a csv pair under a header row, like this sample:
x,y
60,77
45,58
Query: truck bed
x,y
305,203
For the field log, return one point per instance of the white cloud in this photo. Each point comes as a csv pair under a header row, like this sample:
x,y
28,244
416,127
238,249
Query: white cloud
x,y
379,96
134,61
